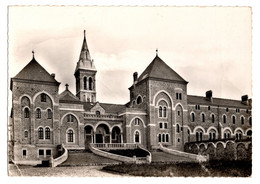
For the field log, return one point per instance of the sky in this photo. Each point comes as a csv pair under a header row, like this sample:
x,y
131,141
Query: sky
x,y
210,47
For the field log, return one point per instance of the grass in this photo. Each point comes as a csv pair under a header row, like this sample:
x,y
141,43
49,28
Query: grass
x,y
212,169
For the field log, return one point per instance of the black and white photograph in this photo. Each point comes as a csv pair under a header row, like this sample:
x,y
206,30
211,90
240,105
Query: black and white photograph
x,y
129,91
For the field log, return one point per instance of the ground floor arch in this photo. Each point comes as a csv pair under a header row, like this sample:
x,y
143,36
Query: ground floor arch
x,y
102,134
116,135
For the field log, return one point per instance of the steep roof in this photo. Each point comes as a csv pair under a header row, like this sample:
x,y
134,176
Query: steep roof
x,y
35,72
200,100
160,70
109,108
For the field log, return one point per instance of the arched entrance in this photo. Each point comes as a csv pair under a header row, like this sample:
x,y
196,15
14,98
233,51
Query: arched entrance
x,y
102,134
116,135
89,135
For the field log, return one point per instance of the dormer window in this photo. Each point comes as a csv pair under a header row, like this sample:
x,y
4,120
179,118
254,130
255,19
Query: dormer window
x,y
98,113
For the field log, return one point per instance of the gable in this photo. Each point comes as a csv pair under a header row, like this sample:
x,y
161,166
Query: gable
x,y
97,107
68,97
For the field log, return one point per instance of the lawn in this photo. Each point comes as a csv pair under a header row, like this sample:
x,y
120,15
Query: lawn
x,y
212,169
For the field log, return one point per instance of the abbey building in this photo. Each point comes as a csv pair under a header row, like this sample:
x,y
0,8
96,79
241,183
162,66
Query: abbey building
x,y
159,112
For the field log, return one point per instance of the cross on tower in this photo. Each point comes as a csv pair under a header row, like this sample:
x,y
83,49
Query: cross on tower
x,y
156,52
33,53
67,86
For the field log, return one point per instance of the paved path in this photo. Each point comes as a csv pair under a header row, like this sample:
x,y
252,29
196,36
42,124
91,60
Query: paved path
x,y
81,171
166,157
86,158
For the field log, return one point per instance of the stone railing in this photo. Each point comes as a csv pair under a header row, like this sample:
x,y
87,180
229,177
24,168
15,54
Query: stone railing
x,y
60,159
114,146
148,158
102,153
199,158
108,116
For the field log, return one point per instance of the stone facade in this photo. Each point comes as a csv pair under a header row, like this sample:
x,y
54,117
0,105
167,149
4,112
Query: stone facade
x,y
159,112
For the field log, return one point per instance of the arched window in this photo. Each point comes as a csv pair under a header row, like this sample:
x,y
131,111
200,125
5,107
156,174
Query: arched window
x,y
242,120
199,135
90,83
97,113
239,135
137,137
163,137
160,111
161,125
164,111
85,83
26,113
165,125
212,135
203,117
227,109
233,119
137,121
249,133
250,121
177,128
213,118
167,137
159,138
224,118
49,114
43,97
25,134
70,118
227,134
209,108
139,100
47,133
192,117
70,136
38,113
40,133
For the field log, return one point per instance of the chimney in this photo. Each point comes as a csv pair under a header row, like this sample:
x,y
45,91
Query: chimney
x,y
209,95
53,75
135,75
244,99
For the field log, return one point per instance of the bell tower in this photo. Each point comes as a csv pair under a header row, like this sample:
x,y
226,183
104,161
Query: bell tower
x,y
85,75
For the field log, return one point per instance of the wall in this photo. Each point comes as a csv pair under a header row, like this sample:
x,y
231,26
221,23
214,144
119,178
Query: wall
x,y
222,150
